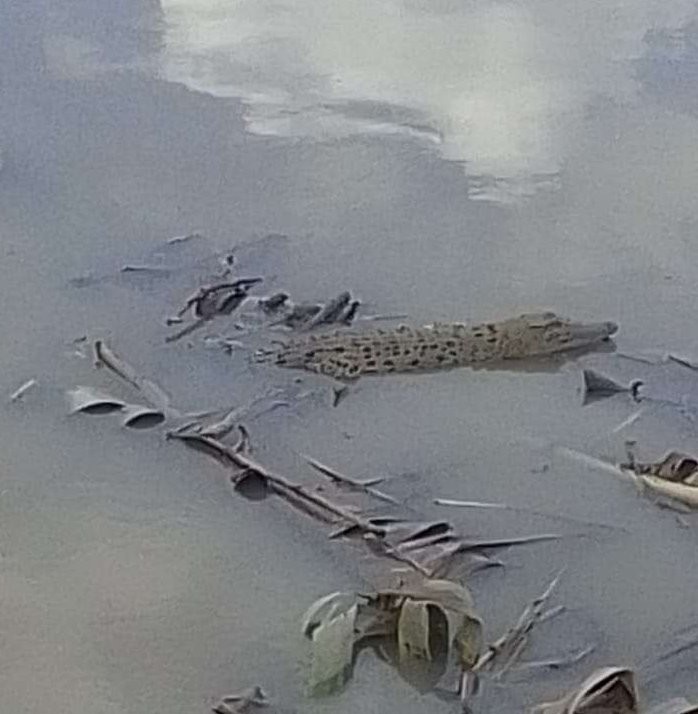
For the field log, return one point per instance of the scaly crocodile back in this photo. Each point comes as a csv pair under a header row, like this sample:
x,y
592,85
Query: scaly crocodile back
x,y
347,354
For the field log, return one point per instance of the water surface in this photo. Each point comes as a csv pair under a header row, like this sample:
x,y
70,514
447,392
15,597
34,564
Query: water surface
x,y
447,160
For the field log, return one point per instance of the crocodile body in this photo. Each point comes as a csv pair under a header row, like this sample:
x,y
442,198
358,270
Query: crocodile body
x,y
350,354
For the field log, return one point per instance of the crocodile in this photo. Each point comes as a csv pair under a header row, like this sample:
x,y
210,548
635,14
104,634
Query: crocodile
x,y
350,354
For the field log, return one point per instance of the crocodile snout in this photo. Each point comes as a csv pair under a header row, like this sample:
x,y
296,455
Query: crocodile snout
x,y
611,328
590,332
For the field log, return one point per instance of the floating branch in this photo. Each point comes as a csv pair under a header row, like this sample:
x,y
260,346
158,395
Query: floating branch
x,y
503,652
350,483
22,390
211,301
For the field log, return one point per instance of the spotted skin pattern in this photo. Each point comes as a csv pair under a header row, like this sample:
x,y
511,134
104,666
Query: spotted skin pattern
x,y
350,354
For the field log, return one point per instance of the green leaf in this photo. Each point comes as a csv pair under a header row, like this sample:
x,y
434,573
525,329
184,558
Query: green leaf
x,y
413,631
325,608
373,621
468,640
333,650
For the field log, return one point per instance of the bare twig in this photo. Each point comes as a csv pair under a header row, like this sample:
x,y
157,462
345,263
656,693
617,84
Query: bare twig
x,y
556,663
683,361
157,397
510,645
22,390
506,507
596,463
386,317
199,322
350,483
279,483
212,300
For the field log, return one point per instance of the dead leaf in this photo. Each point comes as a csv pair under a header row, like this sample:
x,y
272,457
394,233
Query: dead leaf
x,y
88,400
152,392
597,383
610,690
502,653
139,416
674,466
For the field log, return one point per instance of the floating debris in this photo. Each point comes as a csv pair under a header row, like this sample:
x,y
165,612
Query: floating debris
x,y
387,317
499,656
331,312
106,357
333,652
195,235
149,269
211,301
414,613
138,416
555,663
350,483
506,507
92,401
242,702
630,420
610,690
301,313
598,386
339,393
341,310
683,361
675,476
274,303
19,393
407,613
350,313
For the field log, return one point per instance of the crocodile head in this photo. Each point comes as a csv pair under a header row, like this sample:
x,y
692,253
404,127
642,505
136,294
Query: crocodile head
x,y
547,332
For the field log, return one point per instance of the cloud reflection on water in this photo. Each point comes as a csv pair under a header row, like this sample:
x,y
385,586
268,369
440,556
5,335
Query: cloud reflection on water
x,y
501,87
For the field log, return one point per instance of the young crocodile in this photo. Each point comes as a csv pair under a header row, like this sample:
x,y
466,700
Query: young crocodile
x,y
349,354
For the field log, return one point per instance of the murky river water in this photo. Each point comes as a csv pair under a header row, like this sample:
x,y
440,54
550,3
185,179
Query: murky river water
x,y
449,160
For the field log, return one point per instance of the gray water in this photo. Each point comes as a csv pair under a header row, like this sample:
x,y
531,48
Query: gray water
x,y
445,160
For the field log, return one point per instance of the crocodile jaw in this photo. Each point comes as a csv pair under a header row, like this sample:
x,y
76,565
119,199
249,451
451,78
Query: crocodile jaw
x,y
588,333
